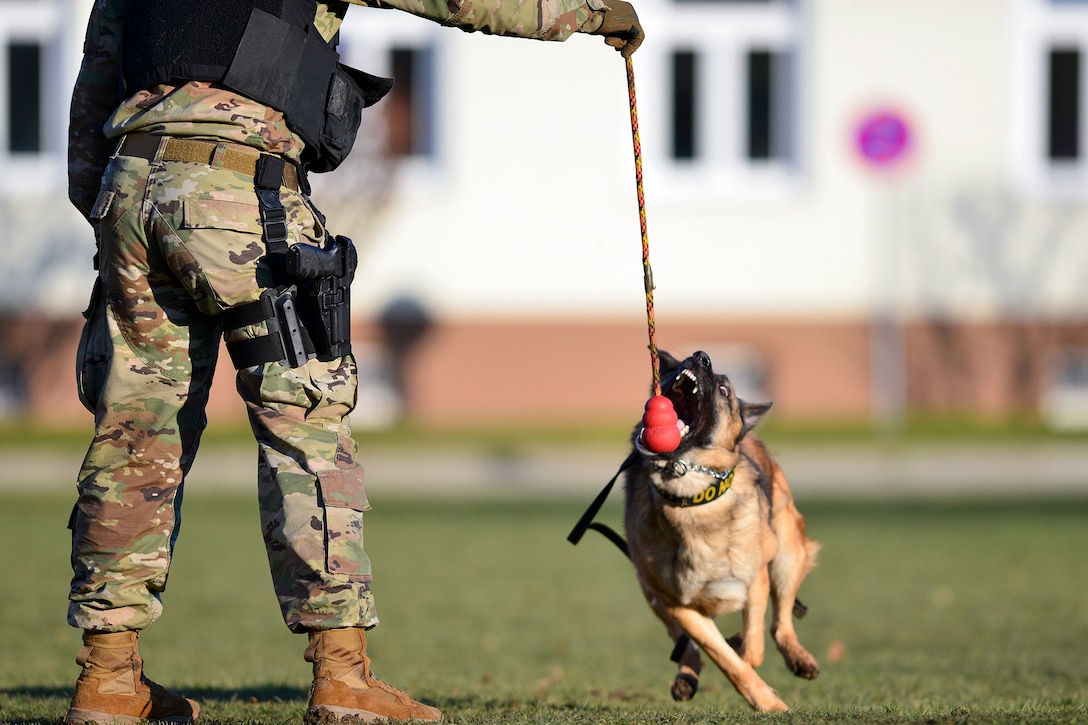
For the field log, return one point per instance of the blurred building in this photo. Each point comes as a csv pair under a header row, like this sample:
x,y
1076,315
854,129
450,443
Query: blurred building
x,y
859,209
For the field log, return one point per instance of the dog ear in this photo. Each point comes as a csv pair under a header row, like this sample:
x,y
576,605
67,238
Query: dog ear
x,y
667,362
750,415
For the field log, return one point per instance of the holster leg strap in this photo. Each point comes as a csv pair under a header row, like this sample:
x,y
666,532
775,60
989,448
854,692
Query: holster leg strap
x,y
286,342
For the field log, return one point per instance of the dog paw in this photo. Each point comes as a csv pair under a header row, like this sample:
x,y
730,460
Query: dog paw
x,y
774,706
768,701
804,666
684,687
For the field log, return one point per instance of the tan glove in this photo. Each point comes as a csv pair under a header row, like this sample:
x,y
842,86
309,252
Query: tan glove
x,y
621,28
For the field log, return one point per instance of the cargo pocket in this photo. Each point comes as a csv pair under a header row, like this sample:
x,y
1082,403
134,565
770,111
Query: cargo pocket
x,y
344,501
218,253
95,350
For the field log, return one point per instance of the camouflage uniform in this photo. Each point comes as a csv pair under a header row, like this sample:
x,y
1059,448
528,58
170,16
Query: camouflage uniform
x,y
179,243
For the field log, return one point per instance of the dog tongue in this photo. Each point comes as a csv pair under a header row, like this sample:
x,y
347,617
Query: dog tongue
x,y
660,425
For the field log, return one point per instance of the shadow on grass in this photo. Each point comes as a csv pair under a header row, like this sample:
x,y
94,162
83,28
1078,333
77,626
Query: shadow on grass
x,y
254,695
258,693
27,705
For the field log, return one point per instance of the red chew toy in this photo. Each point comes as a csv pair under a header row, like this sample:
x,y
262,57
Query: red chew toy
x,y
659,431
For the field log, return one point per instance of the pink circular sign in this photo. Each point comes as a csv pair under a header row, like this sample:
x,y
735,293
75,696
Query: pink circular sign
x,y
883,138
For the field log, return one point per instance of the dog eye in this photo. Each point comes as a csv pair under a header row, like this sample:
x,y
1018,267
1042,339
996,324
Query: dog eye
x,y
725,390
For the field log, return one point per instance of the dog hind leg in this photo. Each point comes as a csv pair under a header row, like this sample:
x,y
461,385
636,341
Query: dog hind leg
x,y
787,570
749,642
705,633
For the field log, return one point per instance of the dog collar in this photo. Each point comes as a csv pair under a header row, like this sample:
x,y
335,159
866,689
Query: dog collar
x,y
722,481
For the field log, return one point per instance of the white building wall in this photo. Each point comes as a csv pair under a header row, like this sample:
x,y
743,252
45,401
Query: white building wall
x,y
533,209
528,208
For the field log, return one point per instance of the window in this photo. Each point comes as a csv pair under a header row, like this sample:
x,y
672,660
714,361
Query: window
x,y
730,115
769,87
408,108
399,46
399,148
1063,104
683,104
1065,391
768,125
24,101
759,86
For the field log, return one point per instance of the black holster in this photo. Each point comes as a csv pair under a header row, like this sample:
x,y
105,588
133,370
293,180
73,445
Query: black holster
x,y
309,316
324,276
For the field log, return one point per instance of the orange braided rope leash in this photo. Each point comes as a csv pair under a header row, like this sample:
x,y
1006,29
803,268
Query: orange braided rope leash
x,y
647,272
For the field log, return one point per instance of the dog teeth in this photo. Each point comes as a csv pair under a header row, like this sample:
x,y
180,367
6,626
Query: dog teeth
x,y
683,427
691,376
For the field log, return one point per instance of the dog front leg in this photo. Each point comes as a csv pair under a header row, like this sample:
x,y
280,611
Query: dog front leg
x,y
704,633
689,663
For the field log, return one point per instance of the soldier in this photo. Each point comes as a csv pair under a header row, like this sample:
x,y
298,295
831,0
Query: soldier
x,y
193,127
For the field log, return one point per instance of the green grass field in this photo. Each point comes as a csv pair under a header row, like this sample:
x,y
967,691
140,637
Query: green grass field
x,y
919,613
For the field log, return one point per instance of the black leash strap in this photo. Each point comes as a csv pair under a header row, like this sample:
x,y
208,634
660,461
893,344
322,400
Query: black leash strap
x,y
609,533
586,522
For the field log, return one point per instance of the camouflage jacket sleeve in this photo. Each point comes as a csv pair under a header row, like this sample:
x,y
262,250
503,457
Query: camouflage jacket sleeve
x,y
94,99
539,19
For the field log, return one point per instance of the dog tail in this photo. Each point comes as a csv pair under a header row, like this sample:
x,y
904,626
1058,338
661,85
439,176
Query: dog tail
x,y
812,548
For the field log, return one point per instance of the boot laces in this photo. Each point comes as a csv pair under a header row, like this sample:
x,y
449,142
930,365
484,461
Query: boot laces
x,y
376,683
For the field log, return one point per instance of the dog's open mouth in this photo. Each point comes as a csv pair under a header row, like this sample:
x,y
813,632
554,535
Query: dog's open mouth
x,y
684,394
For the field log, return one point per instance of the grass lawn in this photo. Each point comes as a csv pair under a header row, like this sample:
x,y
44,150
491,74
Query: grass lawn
x,y
919,613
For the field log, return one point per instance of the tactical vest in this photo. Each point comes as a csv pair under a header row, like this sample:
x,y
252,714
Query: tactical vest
x,y
267,50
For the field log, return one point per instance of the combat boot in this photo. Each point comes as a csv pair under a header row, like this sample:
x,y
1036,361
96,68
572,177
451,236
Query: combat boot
x,y
112,687
345,690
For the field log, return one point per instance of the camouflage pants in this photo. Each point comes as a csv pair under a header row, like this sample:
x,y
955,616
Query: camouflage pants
x,y
178,244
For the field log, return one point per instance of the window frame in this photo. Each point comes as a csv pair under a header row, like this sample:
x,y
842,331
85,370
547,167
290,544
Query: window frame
x,y
1040,28
369,45
41,24
721,35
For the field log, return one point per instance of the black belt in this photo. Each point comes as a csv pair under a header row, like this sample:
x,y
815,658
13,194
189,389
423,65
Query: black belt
x,y
220,154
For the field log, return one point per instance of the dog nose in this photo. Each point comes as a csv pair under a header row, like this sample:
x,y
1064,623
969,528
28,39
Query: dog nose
x,y
702,358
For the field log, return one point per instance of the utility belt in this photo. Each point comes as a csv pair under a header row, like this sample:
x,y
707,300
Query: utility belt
x,y
307,314
218,154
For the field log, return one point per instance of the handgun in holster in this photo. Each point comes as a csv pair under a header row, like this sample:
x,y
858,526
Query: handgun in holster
x,y
308,316
324,276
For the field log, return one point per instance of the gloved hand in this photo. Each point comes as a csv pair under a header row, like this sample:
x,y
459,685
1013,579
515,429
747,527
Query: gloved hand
x,y
621,27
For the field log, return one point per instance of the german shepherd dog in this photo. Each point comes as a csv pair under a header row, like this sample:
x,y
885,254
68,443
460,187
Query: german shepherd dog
x,y
712,529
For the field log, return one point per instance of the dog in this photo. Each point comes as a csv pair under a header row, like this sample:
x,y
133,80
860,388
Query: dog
x,y
712,529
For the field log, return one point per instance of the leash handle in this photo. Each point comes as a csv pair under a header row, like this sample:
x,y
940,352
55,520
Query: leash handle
x,y
647,272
